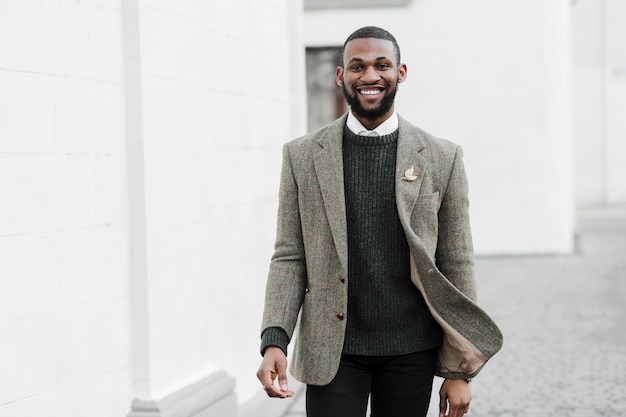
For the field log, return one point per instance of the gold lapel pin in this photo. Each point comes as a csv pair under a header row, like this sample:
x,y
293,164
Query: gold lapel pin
x,y
409,174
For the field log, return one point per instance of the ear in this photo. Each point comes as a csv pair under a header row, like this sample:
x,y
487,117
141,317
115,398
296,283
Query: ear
x,y
339,76
402,72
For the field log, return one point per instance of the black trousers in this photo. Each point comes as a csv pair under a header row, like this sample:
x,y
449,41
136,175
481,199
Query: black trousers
x,y
400,386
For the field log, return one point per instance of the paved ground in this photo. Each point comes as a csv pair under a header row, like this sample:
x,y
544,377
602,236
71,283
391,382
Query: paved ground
x,y
564,325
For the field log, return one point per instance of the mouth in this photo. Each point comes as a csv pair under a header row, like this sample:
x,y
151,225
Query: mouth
x,y
370,91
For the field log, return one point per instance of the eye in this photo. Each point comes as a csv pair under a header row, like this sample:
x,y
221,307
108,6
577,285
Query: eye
x,y
356,67
383,66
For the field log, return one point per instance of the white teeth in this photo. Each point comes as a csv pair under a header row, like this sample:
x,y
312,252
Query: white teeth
x,y
370,92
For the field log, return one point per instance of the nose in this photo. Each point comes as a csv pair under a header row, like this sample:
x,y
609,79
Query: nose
x,y
370,75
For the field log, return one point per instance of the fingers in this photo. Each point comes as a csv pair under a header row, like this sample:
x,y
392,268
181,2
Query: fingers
x,y
443,404
276,392
282,380
283,383
267,376
274,366
456,410
455,397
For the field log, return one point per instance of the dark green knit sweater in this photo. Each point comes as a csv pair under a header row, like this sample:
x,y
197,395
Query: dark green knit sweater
x,y
386,313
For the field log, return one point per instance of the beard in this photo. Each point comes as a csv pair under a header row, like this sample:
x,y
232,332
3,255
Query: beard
x,y
374,113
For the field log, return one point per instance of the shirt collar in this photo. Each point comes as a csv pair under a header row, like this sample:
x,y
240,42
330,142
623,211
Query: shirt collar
x,y
388,126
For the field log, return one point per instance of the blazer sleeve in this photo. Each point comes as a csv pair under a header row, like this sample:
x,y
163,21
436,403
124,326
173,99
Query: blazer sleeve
x,y
286,282
454,254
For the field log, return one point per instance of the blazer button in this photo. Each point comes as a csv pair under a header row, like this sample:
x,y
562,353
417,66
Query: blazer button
x,y
340,316
341,278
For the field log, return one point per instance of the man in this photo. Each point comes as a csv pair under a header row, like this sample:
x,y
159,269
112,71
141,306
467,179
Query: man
x,y
374,255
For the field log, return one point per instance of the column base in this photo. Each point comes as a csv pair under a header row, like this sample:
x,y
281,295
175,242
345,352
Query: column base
x,y
212,396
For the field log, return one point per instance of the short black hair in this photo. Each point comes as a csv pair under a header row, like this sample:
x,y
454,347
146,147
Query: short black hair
x,y
372,32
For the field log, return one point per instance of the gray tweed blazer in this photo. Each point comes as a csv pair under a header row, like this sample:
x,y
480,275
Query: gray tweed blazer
x,y
308,271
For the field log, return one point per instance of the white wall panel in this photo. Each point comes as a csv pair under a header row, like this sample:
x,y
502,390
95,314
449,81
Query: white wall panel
x,y
493,77
64,321
599,101
159,136
216,110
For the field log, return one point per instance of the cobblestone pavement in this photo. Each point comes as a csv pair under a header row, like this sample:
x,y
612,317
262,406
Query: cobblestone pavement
x,y
564,324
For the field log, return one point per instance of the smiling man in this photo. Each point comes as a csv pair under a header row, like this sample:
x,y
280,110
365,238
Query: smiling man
x,y
369,80
374,255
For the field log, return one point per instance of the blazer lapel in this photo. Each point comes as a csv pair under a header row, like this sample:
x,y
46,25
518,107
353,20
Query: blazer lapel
x,y
329,169
410,145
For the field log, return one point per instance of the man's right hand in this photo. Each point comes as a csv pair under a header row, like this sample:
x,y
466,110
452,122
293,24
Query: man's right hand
x,y
274,365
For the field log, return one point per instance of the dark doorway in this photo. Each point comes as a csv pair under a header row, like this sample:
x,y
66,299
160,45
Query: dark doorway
x,y
325,100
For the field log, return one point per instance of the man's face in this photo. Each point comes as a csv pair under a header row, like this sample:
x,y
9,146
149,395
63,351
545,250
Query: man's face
x,y
370,78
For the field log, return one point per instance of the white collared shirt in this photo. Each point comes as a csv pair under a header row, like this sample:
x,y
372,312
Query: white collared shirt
x,y
388,126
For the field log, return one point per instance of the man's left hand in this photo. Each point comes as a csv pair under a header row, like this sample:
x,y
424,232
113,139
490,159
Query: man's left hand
x,y
455,396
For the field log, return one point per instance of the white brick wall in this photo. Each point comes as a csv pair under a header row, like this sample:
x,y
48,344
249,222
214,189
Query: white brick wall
x,y
217,107
194,141
64,299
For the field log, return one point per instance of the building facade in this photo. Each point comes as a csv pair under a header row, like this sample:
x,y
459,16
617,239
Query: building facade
x,y
140,150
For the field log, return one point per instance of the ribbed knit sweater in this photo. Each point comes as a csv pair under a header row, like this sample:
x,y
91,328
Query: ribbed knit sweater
x,y
387,314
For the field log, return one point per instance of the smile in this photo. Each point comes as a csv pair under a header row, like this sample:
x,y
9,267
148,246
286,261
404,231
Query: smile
x,y
370,92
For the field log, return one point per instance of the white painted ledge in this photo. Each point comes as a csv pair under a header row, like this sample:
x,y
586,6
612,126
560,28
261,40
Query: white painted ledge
x,y
212,396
